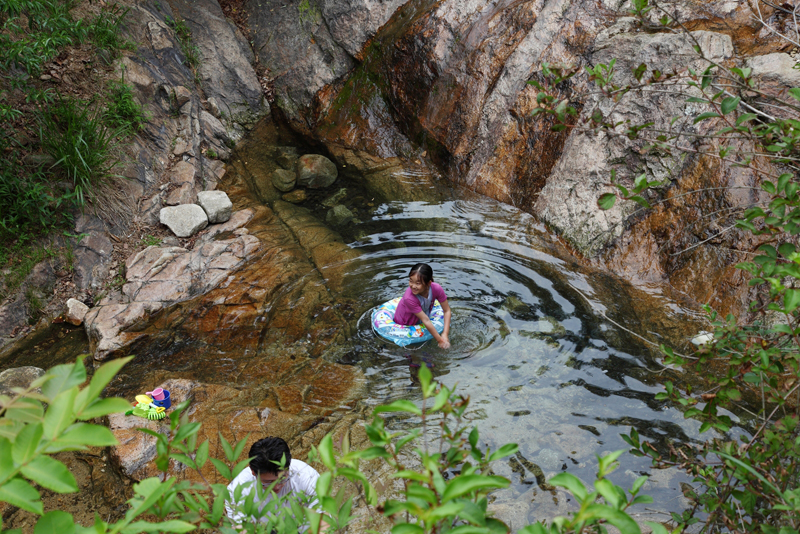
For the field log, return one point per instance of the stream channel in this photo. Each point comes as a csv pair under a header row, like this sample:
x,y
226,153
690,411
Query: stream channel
x,y
535,336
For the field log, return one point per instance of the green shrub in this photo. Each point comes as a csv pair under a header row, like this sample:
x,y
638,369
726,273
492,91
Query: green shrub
x,y
123,111
49,28
76,136
105,30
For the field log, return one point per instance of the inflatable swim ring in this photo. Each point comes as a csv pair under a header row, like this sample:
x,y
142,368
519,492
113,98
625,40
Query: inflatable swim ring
x,y
401,335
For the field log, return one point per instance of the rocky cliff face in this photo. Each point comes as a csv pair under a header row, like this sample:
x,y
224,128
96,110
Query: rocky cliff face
x,y
447,82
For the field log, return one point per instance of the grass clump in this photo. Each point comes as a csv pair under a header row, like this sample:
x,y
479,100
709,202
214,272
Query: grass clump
x,y
123,111
190,51
106,30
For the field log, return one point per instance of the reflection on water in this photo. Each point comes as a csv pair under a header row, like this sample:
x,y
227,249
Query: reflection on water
x,y
542,368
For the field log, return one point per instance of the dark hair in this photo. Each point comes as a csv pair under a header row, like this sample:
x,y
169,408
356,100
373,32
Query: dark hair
x,y
424,270
269,454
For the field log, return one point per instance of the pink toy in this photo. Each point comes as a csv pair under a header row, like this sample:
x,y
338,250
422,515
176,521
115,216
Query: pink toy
x,y
157,394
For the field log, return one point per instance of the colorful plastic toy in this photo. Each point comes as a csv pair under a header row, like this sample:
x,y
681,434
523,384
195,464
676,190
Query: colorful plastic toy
x,y
383,324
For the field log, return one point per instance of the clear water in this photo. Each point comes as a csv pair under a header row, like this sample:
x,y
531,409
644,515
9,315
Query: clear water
x,y
543,368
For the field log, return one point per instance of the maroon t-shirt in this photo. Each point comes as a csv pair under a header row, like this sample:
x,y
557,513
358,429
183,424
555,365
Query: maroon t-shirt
x,y
409,305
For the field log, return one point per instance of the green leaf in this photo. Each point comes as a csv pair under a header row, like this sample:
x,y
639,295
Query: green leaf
x,y
64,377
223,469
326,452
174,525
399,406
19,493
704,116
605,488
536,528
506,450
83,435
24,447
657,528
102,407
744,117
729,104
25,410
202,454
640,200
571,483
59,414
467,484
619,519
100,380
795,92
607,201
791,300
55,522
496,526
51,474
425,382
407,528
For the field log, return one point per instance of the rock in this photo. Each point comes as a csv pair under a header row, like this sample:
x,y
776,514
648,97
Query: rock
x,y
92,259
160,276
18,377
315,171
183,172
216,204
339,216
568,202
183,194
226,66
185,220
39,160
286,157
335,198
778,68
180,95
284,180
76,311
13,315
295,197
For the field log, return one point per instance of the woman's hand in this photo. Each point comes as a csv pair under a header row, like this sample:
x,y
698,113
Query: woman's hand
x,y
444,343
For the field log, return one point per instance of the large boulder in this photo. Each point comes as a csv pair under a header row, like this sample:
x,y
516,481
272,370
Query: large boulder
x,y
185,220
216,204
315,171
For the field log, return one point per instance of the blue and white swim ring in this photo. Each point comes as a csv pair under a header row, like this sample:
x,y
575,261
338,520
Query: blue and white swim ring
x,y
402,335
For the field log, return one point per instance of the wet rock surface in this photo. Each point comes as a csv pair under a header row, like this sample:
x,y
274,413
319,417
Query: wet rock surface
x,y
315,171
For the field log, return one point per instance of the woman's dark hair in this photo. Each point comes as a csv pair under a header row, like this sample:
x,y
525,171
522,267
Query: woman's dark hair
x,y
269,454
424,270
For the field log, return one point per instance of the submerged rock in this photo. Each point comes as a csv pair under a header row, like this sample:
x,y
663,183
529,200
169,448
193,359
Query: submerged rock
x,y
284,180
295,197
315,171
339,216
286,157
216,204
185,220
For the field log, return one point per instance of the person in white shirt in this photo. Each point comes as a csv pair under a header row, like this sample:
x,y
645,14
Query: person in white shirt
x,y
269,458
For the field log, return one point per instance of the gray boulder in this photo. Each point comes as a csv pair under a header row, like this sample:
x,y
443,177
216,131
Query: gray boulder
x,y
284,180
18,377
339,216
216,204
315,171
185,220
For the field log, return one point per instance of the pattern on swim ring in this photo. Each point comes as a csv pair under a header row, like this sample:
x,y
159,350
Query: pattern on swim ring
x,y
384,325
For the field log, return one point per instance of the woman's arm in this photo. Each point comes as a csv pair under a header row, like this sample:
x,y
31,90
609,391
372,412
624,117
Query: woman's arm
x,y
441,340
447,314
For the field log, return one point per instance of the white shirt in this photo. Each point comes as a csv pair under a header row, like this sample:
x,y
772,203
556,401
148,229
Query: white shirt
x,y
302,482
